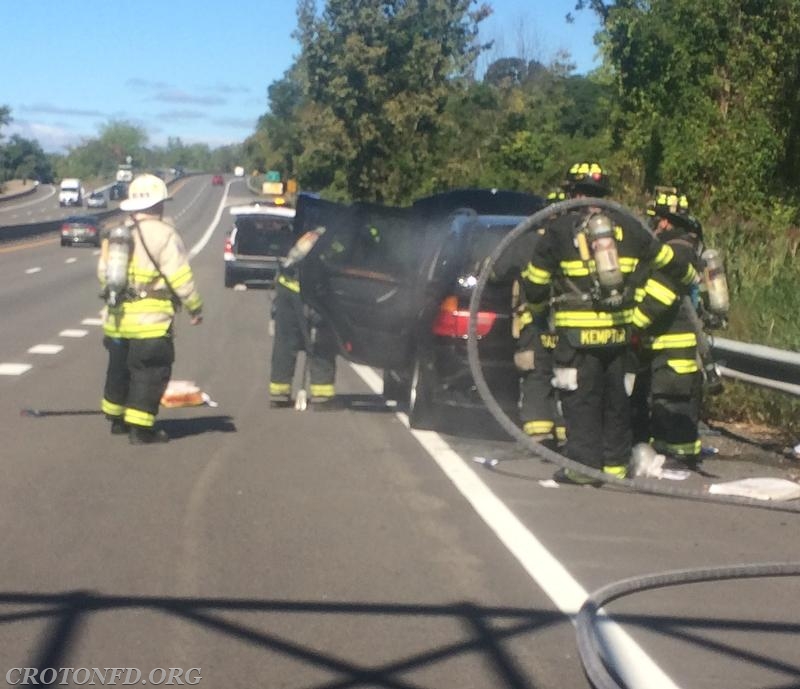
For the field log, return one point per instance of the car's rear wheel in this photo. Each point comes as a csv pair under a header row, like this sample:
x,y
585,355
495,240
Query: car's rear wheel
x,y
229,279
423,412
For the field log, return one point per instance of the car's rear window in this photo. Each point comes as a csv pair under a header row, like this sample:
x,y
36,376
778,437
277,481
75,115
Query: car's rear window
x,y
263,235
482,240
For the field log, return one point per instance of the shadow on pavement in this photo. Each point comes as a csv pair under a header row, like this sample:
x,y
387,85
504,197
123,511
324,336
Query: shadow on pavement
x,y
196,425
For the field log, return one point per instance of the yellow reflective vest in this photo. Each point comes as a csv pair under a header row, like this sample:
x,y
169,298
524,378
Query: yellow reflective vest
x,y
149,309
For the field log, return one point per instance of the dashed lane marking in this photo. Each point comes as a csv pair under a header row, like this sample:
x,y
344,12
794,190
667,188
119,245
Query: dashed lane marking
x,y
73,333
31,271
13,369
45,349
71,260
92,321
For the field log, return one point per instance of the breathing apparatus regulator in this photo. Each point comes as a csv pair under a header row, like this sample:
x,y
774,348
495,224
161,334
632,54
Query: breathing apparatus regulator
x,y
598,249
118,254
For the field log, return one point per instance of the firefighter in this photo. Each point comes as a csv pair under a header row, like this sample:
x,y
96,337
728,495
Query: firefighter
x,y
584,267
667,393
145,275
539,407
298,328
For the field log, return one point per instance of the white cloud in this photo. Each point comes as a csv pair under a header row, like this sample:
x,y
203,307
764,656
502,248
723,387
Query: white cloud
x,y
52,138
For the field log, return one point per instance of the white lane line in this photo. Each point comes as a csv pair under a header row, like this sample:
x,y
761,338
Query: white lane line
x,y
197,248
31,271
13,369
45,349
92,321
73,333
634,666
71,260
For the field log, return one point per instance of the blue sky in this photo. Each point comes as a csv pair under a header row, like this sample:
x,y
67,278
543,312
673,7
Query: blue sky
x,y
196,70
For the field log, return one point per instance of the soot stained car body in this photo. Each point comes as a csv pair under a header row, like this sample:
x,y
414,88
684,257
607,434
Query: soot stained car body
x,y
395,284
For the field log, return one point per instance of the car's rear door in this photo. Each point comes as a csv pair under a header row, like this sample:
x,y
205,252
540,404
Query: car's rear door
x,y
367,276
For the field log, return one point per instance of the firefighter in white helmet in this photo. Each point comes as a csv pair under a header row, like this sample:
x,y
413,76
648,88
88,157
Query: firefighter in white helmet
x,y
145,275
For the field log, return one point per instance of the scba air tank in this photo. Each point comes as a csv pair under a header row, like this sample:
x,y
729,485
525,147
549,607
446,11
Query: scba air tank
x,y
117,260
716,283
604,249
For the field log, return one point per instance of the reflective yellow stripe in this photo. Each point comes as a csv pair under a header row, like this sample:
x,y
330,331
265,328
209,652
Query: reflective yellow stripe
x,y
322,391
639,294
561,433
180,277
660,292
289,283
538,276
576,269
682,366
627,264
674,341
280,388
663,257
640,320
525,318
618,471
537,427
144,331
111,409
592,319
194,303
679,449
689,276
137,417
148,305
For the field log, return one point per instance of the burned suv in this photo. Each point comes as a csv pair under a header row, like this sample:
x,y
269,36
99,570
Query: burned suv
x,y
395,284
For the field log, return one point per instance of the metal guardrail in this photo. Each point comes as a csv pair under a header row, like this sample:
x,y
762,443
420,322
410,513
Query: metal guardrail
x,y
768,367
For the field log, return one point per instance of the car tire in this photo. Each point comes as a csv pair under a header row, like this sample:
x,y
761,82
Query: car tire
x,y
423,413
395,386
229,279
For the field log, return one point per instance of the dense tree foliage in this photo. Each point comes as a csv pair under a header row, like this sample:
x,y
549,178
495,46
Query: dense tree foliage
x,y
384,103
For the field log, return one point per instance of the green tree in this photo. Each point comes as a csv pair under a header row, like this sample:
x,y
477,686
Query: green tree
x,y
378,76
25,159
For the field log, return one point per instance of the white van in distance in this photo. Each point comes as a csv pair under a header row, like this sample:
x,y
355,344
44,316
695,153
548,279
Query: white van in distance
x,y
71,192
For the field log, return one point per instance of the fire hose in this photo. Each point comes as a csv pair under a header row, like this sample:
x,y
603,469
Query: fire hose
x,y
588,645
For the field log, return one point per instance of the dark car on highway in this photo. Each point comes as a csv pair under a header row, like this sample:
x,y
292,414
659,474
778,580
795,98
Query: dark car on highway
x,y
260,238
401,303
80,229
118,191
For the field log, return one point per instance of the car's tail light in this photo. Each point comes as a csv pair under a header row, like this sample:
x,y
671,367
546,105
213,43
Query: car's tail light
x,y
65,229
228,253
451,321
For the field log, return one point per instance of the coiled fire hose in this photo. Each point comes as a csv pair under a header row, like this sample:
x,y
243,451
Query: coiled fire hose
x,y
643,485
587,639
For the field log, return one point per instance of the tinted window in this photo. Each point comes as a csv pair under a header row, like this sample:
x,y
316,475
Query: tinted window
x,y
263,235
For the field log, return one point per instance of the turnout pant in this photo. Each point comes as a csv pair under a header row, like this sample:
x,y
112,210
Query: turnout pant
x,y
666,402
596,409
539,411
137,376
292,327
